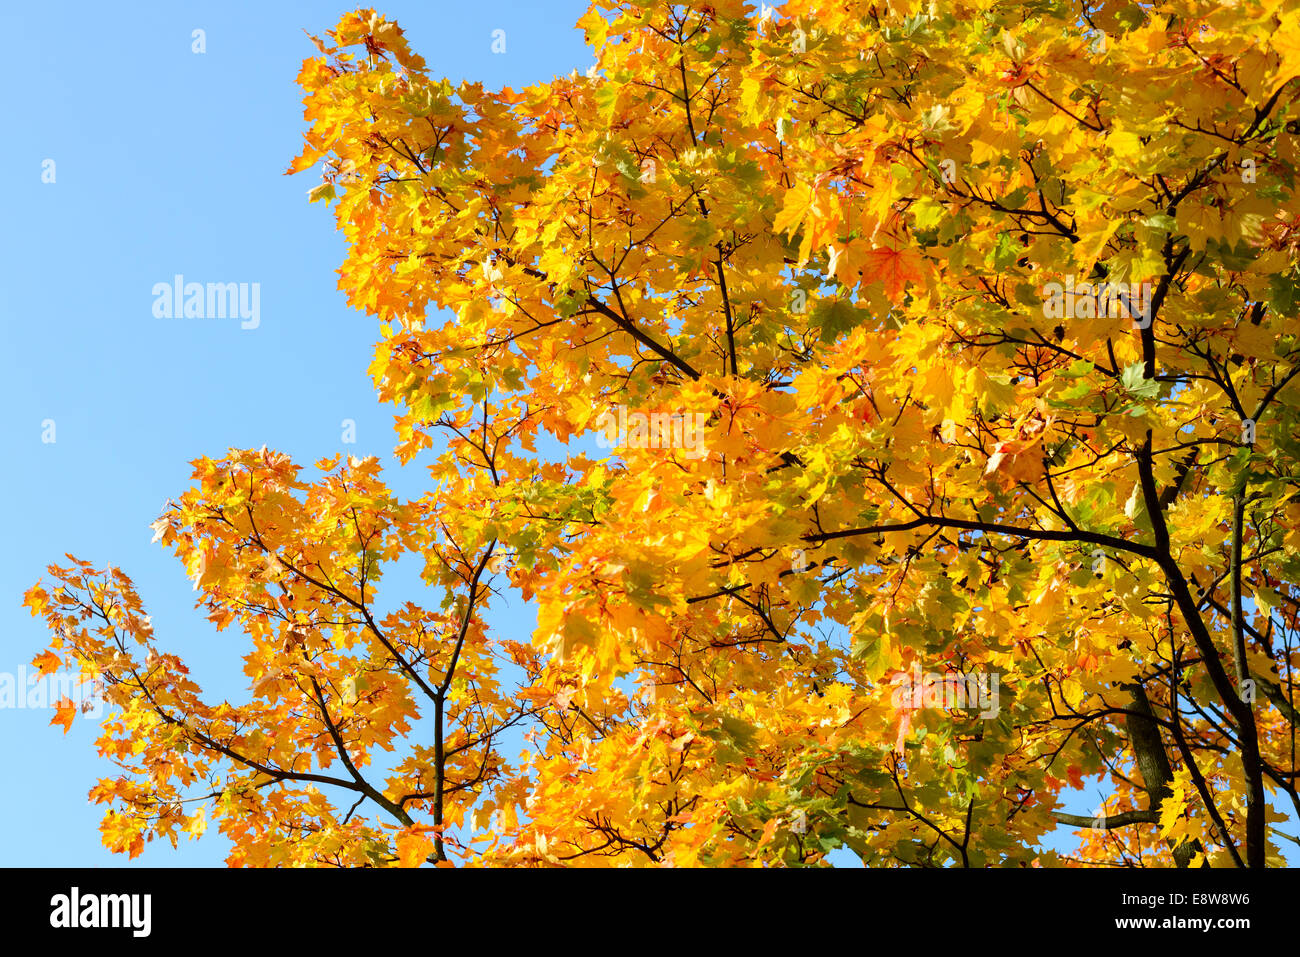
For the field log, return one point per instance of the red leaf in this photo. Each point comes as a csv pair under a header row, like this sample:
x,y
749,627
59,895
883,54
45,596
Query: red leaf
x,y
894,267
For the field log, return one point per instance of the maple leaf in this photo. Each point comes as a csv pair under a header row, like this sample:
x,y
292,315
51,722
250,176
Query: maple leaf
x,y
159,529
47,662
413,847
894,267
65,712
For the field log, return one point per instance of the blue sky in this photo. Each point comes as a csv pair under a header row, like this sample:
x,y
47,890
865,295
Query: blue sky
x,y
166,162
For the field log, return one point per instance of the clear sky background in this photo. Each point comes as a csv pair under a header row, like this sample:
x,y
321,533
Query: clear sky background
x,y
167,161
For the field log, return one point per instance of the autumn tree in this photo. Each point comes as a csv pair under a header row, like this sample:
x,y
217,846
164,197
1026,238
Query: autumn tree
x,y
943,359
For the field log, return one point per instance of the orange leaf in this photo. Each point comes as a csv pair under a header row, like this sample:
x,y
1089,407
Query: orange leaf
x,y
413,847
47,662
65,713
894,267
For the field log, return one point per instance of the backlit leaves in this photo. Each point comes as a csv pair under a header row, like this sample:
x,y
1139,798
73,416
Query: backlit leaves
x,y
827,233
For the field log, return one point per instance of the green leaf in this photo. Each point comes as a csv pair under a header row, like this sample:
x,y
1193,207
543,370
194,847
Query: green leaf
x,y
1282,293
1161,221
1136,384
835,316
